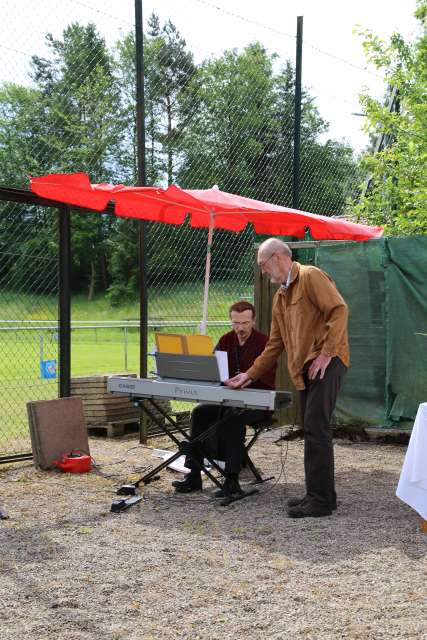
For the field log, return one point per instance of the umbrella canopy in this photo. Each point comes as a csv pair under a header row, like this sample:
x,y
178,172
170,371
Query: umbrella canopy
x,y
210,208
171,205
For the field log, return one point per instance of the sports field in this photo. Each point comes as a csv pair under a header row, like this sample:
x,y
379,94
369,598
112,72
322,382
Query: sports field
x,y
95,348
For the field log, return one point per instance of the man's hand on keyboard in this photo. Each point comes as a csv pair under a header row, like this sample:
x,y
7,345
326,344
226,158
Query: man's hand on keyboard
x,y
240,381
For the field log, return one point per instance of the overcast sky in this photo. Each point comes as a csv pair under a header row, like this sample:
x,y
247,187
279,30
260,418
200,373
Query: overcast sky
x,y
334,66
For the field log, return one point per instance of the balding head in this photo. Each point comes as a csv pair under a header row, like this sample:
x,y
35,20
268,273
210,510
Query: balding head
x,y
273,245
275,259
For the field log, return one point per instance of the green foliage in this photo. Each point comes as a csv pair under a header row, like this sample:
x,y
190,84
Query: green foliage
x,y
241,136
227,121
84,130
396,196
169,69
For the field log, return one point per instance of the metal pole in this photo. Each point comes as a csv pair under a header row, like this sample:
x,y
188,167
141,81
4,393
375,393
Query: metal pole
x,y
297,117
41,341
125,336
207,273
64,302
141,181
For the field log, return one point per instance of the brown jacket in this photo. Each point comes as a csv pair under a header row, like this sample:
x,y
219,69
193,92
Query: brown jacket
x,y
308,319
240,358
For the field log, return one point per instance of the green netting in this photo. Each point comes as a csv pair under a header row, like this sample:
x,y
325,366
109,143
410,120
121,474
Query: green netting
x,y
406,319
385,285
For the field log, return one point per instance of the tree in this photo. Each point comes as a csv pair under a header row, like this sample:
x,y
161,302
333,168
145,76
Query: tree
x,y
27,234
169,70
396,193
83,133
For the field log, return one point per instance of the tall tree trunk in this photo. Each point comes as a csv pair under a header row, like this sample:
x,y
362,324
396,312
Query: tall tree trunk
x,y
92,280
104,271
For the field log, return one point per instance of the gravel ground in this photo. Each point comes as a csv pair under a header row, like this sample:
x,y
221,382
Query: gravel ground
x,y
181,566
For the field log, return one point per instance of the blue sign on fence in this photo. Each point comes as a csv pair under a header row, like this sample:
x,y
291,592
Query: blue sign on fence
x,y
48,369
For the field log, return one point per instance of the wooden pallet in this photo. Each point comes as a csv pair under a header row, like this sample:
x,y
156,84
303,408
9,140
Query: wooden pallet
x,y
100,406
114,429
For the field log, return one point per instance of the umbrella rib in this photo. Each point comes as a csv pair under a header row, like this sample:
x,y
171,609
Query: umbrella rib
x,y
168,202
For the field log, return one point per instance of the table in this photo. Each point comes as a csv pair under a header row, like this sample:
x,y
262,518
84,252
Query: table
x,y
412,487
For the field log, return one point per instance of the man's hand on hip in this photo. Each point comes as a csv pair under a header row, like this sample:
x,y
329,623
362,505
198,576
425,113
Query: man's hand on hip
x,y
240,381
319,364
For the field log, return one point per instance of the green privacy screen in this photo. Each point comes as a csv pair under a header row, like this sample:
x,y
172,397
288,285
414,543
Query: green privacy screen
x,y
384,283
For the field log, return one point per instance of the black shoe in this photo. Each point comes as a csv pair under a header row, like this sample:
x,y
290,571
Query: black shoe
x,y
232,486
190,483
295,502
308,510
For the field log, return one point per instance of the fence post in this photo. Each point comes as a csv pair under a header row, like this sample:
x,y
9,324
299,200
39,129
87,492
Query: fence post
x,y
142,179
41,341
64,302
125,335
297,116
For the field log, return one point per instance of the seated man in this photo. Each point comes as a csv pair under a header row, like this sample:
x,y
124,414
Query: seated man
x,y
243,345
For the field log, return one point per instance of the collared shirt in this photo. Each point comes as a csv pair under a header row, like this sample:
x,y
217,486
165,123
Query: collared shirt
x,y
285,285
308,319
241,357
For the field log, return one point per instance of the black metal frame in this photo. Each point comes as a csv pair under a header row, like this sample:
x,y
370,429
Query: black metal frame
x,y
24,196
186,447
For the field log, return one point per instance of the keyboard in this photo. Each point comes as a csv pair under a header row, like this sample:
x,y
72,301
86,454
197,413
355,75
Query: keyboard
x,y
194,391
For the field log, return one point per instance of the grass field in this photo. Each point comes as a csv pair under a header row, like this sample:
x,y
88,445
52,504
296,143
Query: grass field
x,y
97,350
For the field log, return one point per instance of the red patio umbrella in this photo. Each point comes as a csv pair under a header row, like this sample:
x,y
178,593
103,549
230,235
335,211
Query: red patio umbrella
x,y
210,208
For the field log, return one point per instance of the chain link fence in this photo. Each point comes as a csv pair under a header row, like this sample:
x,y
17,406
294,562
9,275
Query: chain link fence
x,y
28,297
219,110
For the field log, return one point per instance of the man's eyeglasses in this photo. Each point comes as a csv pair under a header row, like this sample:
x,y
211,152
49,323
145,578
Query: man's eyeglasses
x,y
262,264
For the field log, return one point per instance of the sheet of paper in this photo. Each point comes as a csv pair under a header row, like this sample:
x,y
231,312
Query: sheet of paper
x,y
159,453
198,345
222,359
179,463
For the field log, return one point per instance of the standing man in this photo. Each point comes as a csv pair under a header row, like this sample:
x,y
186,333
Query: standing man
x,y
242,344
309,321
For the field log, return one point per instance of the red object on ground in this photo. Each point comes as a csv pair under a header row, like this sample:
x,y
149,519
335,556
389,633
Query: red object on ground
x,y
231,212
74,462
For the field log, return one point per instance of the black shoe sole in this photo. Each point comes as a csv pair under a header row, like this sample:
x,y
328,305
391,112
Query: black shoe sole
x,y
294,502
187,489
188,484
234,494
301,513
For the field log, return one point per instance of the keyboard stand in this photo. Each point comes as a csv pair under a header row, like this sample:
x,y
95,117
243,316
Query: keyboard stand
x,y
185,447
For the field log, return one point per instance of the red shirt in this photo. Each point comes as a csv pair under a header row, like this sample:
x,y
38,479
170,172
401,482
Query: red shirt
x,y
240,358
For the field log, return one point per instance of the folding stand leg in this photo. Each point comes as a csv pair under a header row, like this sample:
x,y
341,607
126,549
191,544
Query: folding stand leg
x,y
258,477
185,447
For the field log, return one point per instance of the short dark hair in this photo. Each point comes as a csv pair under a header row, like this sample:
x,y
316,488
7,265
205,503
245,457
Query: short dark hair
x,y
242,305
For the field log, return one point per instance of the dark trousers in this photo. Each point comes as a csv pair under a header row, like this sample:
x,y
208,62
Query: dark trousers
x,y
317,404
227,442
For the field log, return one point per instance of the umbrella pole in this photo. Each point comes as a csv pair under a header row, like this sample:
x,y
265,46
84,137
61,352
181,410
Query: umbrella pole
x,y
202,326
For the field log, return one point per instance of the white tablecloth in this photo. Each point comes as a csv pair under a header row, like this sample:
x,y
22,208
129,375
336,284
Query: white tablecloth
x,y
412,487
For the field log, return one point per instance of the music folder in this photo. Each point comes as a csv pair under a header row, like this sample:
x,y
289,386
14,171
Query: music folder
x,y
192,367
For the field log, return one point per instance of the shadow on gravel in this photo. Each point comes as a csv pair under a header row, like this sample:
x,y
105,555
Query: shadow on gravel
x,y
370,518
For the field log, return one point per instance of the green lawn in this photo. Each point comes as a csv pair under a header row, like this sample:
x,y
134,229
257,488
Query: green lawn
x,y
93,351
